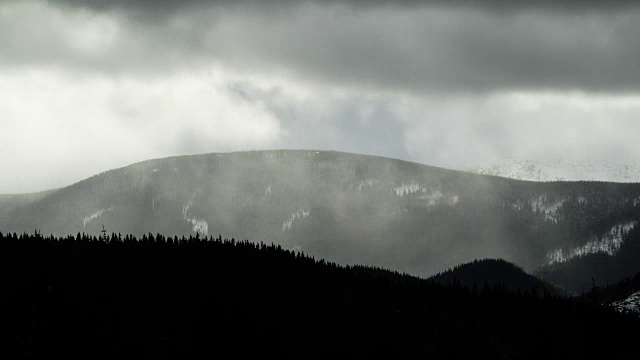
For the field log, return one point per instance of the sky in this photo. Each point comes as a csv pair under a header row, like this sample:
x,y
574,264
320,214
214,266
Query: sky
x,y
87,86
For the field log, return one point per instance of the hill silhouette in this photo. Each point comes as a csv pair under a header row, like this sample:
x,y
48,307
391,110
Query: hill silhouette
x,y
495,272
167,297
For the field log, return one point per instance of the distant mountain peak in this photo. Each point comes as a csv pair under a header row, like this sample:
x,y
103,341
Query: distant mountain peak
x,y
562,170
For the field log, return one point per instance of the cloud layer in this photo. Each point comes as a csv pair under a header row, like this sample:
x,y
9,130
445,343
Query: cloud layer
x,y
87,85
494,5
428,49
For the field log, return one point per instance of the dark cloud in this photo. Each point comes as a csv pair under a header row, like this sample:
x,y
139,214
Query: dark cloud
x,y
424,50
444,85
494,5
431,50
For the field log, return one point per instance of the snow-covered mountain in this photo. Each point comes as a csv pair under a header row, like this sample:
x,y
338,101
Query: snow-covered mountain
x,y
345,208
563,170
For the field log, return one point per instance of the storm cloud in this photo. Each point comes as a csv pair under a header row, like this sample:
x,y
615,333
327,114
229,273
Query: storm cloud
x,y
166,5
425,49
449,83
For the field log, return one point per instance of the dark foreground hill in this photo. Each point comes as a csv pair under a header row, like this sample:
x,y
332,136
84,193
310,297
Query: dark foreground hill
x,y
190,298
623,296
350,209
495,272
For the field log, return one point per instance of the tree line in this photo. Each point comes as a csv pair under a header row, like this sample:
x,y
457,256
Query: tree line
x,y
189,297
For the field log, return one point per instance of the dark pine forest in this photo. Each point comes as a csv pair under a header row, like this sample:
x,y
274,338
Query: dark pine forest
x,y
157,297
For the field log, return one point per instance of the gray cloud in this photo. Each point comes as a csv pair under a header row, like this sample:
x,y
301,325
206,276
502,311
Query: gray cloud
x,y
355,123
453,86
422,50
494,5
446,50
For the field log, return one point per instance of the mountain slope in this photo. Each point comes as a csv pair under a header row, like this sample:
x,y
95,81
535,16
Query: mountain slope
x,y
11,202
561,170
346,208
578,273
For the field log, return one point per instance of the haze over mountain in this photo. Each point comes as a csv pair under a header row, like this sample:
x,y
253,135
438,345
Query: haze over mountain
x,y
347,208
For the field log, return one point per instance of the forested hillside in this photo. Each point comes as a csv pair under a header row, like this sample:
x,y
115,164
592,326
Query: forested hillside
x,y
578,274
495,272
156,297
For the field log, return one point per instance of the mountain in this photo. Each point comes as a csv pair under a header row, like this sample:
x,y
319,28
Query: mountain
x,y
11,202
160,298
563,170
348,209
495,273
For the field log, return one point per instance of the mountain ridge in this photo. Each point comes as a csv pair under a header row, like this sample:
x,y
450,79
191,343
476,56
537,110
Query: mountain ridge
x,y
563,170
344,207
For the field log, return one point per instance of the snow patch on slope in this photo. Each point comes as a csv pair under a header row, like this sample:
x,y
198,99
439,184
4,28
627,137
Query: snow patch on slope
x,y
411,188
628,305
367,184
87,219
300,214
432,198
608,244
198,225
549,207
562,170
